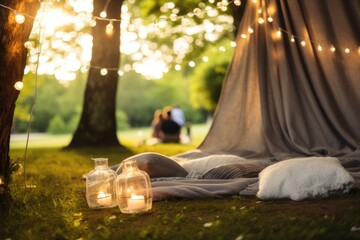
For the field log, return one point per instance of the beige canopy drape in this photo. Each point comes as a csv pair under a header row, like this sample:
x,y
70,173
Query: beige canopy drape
x,y
287,92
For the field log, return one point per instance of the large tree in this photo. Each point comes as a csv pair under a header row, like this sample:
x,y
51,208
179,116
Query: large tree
x,y
12,63
97,127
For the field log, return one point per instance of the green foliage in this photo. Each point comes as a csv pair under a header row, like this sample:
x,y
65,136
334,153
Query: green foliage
x,y
139,98
208,77
52,98
57,125
121,120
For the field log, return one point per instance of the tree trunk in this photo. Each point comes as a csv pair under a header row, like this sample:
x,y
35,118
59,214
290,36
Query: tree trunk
x,y
97,126
12,64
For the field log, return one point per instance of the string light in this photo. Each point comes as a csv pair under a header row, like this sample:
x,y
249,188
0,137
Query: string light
x,y
19,18
205,59
109,28
292,39
237,2
103,71
223,49
28,44
19,85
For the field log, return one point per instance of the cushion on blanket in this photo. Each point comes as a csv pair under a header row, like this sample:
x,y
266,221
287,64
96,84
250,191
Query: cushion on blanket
x,y
157,165
235,170
204,164
302,178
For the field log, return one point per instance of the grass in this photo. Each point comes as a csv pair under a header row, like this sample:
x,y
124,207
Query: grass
x,y
53,205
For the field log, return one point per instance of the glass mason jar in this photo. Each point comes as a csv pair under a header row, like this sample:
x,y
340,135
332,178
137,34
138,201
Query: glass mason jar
x,y
133,189
100,185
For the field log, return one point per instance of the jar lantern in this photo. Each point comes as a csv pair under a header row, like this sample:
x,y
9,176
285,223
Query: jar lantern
x,y
133,189
100,185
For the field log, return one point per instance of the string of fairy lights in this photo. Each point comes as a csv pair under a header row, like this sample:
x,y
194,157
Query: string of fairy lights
x,y
263,17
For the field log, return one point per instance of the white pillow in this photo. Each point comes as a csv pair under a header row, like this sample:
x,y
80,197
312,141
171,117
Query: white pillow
x,y
301,178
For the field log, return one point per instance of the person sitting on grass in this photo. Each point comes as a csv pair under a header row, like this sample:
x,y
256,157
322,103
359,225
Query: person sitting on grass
x,y
169,128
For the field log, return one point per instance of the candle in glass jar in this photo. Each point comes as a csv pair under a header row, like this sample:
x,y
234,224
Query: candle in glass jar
x,y
104,199
136,202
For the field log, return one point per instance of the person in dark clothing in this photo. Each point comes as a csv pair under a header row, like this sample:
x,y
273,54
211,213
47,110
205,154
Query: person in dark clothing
x,y
169,128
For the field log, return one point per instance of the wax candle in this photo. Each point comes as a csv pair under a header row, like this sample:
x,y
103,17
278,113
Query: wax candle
x,y
104,199
136,202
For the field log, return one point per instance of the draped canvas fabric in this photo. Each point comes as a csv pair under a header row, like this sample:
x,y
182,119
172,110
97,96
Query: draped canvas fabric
x,y
283,98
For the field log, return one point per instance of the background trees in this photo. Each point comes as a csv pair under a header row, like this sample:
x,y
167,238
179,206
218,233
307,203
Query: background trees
x,y
149,24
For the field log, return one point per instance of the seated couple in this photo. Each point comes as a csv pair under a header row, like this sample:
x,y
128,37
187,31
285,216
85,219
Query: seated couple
x,y
165,129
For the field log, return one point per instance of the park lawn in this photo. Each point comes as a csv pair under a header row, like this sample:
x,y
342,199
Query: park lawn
x,y
53,206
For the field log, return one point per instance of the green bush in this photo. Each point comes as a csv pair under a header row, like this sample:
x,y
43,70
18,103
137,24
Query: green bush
x,y
121,120
57,125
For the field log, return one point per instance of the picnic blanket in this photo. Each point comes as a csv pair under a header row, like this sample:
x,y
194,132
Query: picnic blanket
x,y
196,174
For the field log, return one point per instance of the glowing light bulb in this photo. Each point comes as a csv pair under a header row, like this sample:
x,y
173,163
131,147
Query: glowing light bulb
x,y
205,59
250,30
177,67
28,44
19,85
347,50
254,1
192,64
319,48
270,19
19,18
233,44
278,33
260,20
237,2
103,14
103,71
223,49
120,73
303,43
243,36
292,39
109,28
332,49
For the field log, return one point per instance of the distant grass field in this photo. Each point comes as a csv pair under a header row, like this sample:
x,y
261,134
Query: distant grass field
x,y
49,203
130,137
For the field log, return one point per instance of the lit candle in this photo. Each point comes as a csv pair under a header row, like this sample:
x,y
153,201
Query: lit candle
x,y
136,202
104,199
